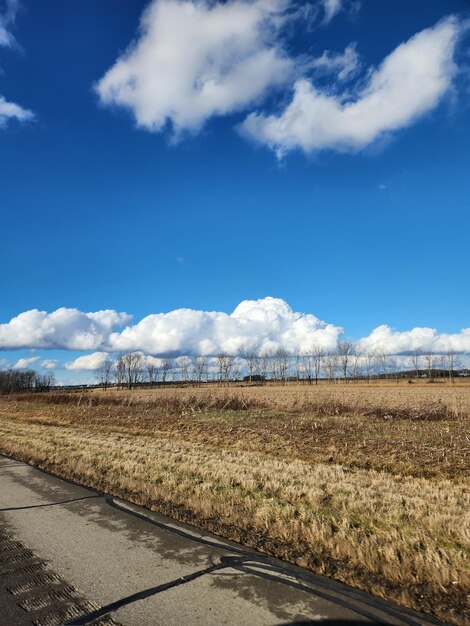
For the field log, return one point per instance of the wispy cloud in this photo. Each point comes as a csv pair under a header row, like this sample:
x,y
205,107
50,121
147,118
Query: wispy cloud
x,y
7,18
342,64
23,364
50,364
331,8
10,110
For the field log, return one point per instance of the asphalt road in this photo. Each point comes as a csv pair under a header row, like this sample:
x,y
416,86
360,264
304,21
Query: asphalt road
x,y
70,555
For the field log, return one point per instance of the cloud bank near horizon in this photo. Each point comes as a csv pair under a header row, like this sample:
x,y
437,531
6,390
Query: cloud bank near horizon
x,y
265,324
64,329
255,325
192,61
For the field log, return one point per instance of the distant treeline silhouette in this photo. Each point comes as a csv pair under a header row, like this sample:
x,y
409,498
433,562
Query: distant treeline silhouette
x,y
25,380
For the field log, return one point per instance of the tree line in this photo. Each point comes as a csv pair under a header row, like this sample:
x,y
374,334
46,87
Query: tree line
x,y
347,362
25,380
134,368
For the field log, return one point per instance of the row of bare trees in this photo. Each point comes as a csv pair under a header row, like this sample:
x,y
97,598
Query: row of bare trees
x,y
347,362
280,365
431,363
133,368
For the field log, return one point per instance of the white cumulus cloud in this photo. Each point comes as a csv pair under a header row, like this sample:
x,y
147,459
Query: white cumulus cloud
x,y
255,325
68,329
268,323
91,362
196,59
388,340
411,81
87,361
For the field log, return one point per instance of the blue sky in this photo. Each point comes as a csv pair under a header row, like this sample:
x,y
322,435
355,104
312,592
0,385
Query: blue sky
x,y
103,209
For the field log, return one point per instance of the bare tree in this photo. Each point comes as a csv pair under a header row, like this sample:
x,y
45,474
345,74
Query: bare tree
x,y
304,366
430,362
452,363
43,382
306,363
312,362
120,370
185,365
331,366
199,369
153,371
264,364
250,356
104,372
443,365
167,367
26,379
301,368
318,355
394,366
273,373
345,351
225,364
382,361
415,360
356,363
236,370
370,359
133,368
281,359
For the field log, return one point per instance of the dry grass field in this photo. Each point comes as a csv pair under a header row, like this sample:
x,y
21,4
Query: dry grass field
x,y
368,484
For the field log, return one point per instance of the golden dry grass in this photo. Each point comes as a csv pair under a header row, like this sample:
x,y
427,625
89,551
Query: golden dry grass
x,y
359,398
316,476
